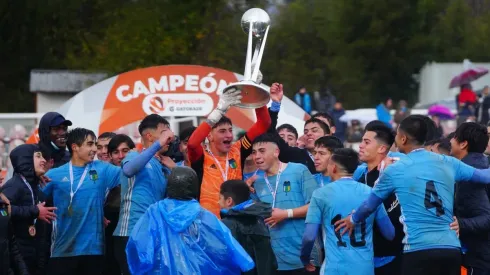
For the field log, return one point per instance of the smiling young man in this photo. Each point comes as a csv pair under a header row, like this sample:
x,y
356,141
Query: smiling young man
x,y
102,143
324,148
288,188
288,133
222,159
53,128
78,190
119,147
313,129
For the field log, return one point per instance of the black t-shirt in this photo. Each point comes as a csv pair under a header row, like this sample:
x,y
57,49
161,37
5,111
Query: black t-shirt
x,y
382,246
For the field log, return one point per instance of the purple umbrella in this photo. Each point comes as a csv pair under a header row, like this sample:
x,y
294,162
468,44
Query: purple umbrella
x,y
441,111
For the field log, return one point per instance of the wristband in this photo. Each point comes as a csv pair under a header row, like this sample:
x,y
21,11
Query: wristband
x,y
275,106
290,213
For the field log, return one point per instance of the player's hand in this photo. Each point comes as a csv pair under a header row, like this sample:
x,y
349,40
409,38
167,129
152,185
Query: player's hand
x,y
46,213
166,137
276,92
228,98
278,215
310,267
455,225
167,161
346,224
106,222
44,181
250,182
301,141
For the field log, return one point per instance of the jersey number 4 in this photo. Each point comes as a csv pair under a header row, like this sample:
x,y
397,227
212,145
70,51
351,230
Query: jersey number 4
x,y
432,199
353,241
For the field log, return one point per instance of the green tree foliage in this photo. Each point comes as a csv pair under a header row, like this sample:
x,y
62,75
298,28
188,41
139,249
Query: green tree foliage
x,y
364,50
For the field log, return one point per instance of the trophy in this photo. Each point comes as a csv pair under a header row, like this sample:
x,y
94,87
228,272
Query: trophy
x,y
256,23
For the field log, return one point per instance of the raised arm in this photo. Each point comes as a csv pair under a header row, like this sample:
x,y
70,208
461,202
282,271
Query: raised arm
x,y
226,100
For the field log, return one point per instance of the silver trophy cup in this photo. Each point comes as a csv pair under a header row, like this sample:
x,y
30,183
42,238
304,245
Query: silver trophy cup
x,y
256,23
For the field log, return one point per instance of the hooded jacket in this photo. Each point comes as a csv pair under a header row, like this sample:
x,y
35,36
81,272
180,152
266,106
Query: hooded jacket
x,y
246,223
24,211
60,155
11,261
472,208
180,237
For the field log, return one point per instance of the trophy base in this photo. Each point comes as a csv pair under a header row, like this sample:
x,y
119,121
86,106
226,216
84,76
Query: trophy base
x,y
253,95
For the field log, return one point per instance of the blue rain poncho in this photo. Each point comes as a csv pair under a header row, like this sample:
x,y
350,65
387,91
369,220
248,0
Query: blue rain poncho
x,y
179,237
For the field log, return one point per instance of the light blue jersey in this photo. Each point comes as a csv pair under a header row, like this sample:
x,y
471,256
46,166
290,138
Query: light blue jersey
x,y
424,184
259,173
80,230
344,254
295,187
147,187
322,180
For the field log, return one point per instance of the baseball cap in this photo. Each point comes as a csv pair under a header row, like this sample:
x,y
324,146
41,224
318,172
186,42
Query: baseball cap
x,y
59,120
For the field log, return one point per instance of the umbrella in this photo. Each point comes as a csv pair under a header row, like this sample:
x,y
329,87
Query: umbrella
x,y
468,75
170,91
441,111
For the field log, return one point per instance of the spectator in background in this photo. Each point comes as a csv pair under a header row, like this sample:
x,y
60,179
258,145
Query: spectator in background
x,y
466,100
402,112
303,99
324,100
102,142
484,106
53,128
383,112
340,127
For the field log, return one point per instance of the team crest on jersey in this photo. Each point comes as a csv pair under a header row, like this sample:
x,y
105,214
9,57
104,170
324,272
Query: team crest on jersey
x,y
3,213
93,175
232,163
286,186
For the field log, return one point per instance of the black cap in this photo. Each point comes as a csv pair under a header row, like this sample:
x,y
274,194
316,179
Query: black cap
x,y
59,120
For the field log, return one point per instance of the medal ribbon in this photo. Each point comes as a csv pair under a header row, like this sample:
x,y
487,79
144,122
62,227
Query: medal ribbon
x,y
32,192
72,193
274,192
224,174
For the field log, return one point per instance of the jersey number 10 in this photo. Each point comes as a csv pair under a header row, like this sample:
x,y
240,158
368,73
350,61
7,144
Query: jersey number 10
x,y
353,241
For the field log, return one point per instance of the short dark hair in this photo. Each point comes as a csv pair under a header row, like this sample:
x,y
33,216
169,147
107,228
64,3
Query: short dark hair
x,y
445,144
45,151
186,133
322,124
118,140
151,122
78,136
237,190
224,120
267,137
431,133
347,158
329,142
384,134
475,134
326,116
183,184
416,128
106,135
289,128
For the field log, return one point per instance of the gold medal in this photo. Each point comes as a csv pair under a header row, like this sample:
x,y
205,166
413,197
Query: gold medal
x,y
32,230
70,211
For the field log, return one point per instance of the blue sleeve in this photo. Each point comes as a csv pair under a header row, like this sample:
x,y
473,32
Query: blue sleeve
x,y
315,209
361,169
113,173
384,223
307,106
133,166
367,208
385,187
481,176
309,184
309,237
462,171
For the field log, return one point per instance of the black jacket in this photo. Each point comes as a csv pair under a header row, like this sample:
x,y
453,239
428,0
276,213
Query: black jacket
x,y
248,227
24,211
60,156
472,208
288,153
11,261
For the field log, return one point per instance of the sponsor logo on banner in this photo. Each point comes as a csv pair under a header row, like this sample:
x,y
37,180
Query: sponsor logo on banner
x,y
178,104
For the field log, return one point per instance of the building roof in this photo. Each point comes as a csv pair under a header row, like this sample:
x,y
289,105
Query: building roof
x,y
63,81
